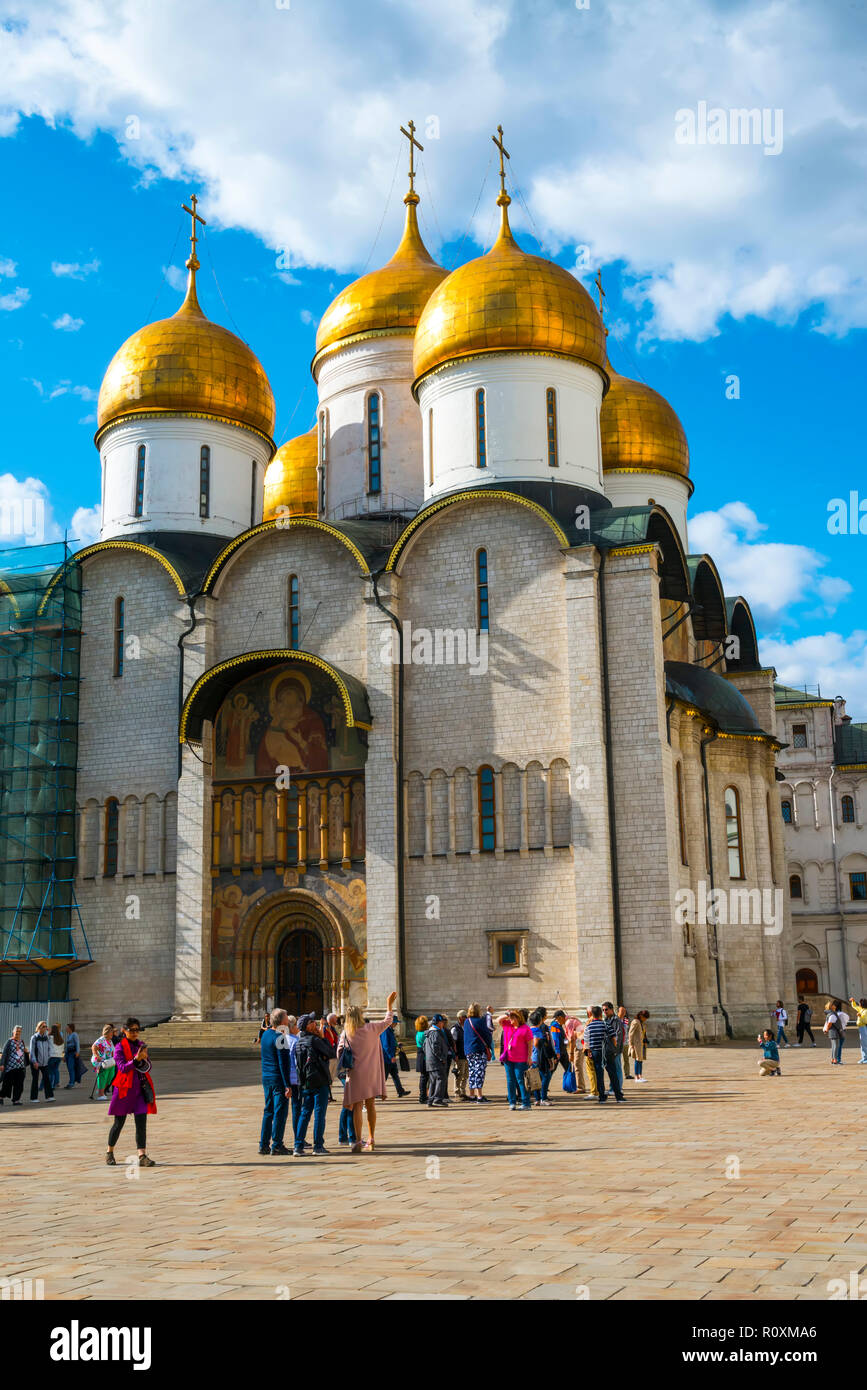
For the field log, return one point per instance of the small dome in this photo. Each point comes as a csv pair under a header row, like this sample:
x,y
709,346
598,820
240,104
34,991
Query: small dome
x,y
290,480
387,301
640,431
186,365
508,301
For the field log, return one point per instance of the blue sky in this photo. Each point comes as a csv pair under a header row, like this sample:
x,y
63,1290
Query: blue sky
x,y
717,261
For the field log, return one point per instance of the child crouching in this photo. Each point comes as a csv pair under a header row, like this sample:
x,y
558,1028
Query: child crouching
x,y
769,1063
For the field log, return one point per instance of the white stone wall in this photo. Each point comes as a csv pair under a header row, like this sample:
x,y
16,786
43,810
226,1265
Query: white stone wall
x,y
634,489
171,488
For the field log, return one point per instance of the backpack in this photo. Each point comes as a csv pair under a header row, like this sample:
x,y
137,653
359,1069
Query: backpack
x,y
808,1014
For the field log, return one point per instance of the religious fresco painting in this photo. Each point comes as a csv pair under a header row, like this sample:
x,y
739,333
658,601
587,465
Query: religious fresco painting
x,y
285,717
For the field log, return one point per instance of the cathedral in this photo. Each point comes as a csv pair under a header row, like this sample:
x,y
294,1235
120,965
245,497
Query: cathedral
x,y
434,697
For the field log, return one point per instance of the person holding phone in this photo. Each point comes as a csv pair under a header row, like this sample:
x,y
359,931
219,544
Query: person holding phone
x,y
133,1092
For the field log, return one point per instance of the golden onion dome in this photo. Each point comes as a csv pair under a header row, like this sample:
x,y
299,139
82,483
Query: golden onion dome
x,y
290,479
508,301
187,365
386,302
640,431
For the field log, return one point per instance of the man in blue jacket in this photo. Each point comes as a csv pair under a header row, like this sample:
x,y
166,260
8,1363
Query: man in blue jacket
x,y
276,1084
388,1042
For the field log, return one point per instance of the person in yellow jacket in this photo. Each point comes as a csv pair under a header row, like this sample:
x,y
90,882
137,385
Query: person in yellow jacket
x,y
860,1007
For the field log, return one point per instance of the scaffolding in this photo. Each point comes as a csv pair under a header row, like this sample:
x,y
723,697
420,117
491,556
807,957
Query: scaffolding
x,y
42,936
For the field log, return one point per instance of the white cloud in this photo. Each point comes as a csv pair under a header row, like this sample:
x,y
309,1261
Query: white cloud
x,y
306,316
73,269
836,663
15,300
26,516
85,524
66,388
175,277
67,324
772,575
7,268
703,230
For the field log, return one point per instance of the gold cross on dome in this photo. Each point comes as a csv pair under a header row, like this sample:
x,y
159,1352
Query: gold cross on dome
x,y
504,153
599,291
413,146
193,262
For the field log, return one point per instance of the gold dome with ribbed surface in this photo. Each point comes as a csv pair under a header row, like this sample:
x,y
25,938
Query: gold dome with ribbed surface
x,y
386,301
187,365
640,431
508,301
290,479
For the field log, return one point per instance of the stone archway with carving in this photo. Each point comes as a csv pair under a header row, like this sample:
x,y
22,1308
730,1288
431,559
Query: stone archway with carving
x,y
259,938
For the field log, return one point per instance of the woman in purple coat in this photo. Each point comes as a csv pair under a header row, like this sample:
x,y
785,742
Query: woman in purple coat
x,y
133,1092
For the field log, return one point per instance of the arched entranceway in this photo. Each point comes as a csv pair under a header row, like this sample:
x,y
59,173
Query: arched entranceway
x,y
299,973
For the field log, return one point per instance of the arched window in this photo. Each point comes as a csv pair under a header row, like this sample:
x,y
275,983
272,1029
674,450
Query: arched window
x,y
481,431
430,437
848,807
796,887
112,822
254,475
482,590
681,819
487,809
734,843
204,481
294,611
551,397
118,636
139,480
374,450
323,458
787,812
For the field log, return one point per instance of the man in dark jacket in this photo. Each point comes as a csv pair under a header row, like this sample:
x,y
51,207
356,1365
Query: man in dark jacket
x,y
388,1042
436,1055
312,1056
460,1063
276,1084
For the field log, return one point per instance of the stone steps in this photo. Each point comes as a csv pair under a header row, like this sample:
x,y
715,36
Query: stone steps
x,y
225,1040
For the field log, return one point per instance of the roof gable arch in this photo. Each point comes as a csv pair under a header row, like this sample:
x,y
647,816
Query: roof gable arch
x,y
482,495
229,554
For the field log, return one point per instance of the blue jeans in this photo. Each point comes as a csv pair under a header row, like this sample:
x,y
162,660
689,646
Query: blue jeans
x,y
781,1035
346,1130
274,1115
862,1034
53,1070
515,1088
618,1062
545,1078
605,1061
296,1107
839,1049
313,1103
71,1066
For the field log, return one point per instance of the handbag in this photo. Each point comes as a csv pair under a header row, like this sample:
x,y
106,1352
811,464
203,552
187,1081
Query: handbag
x,y
569,1082
80,1069
532,1079
345,1062
147,1089
402,1060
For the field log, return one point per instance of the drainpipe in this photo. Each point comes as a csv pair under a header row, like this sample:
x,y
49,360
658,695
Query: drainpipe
x,y
703,745
191,604
839,906
609,777
401,914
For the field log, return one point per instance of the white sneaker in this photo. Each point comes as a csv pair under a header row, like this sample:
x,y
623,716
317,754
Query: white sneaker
x,y
549,1103
513,1107
49,1100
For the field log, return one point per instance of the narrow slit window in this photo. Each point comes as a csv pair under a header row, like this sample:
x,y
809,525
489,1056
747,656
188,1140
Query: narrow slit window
x,y
482,610
796,888
118,636
551,397
681,822
294,612
787,812
481,431
374,444
771,846
734,843
430,442
253,479
487,809
323,459
140,480
204,481
848,807
112,825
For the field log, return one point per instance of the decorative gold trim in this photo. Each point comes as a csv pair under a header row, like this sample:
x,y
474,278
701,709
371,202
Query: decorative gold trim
x,y
632,549
111,545
278,654
753,738
658,472
852,767
510,352
353,338
179,415
473,495
812,704
280,523
4,588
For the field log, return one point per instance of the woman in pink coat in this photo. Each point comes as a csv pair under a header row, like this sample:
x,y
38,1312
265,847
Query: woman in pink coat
x,y
365,1080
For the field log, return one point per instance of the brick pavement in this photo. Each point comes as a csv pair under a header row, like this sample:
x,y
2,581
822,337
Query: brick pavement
x,y
628,1201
